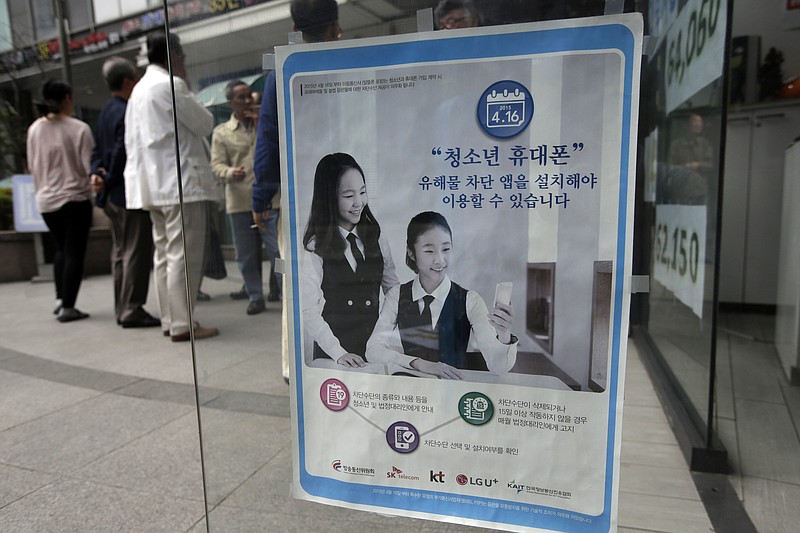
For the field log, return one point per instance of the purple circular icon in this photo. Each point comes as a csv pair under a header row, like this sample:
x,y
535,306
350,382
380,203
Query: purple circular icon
x,y
334,394
402,437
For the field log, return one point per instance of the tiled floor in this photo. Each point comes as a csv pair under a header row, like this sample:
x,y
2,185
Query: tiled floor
x,y
98,430
762,431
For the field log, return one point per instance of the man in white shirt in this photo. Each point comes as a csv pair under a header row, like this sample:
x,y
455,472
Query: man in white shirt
x,y
152,183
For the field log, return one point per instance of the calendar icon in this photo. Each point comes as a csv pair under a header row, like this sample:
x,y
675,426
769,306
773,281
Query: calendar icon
x,y
506,109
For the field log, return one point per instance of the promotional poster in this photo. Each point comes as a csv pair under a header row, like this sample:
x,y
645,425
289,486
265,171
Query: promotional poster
x,y
459,209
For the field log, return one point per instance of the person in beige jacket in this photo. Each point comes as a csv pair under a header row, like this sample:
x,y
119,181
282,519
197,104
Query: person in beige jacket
x,y
232,149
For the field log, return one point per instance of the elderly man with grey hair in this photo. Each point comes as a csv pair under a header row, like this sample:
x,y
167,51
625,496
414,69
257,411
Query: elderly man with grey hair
x,y
131,230
178,210
455,14
232,149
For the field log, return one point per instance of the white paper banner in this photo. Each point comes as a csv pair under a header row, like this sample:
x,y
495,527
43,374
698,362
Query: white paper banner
x,y
522,138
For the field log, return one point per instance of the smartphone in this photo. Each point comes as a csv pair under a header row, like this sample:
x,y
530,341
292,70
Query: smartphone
x,y
400,439
502,294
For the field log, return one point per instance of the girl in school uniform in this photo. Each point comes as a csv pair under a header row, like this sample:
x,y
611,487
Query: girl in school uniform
x,y
347,263
435,317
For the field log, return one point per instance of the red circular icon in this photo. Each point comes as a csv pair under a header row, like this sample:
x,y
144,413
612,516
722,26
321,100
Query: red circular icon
x,y
334,394
461,479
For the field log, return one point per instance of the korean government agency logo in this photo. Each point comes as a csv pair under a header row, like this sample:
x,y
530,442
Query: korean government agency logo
x,y
505,109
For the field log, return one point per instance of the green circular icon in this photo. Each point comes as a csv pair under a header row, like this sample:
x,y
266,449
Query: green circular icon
x,y
475,408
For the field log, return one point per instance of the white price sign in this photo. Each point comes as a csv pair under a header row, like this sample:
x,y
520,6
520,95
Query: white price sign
x,y
679,252
695,48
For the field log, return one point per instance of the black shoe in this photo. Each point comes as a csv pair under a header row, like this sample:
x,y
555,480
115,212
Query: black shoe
x,y
147,321
273,297
241,294
70,315
256,307
203,297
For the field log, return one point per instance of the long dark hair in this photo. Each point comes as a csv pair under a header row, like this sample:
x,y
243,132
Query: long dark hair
x,y
54,92
322,223
419,225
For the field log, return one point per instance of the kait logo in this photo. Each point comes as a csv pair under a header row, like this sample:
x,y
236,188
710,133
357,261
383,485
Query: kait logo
x,y
518,488
337,465
437,477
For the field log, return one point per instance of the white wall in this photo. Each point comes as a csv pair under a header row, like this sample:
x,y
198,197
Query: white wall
x,y
765,18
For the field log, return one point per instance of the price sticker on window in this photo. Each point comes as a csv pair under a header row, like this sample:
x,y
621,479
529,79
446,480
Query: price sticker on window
x,y
679,252
695,48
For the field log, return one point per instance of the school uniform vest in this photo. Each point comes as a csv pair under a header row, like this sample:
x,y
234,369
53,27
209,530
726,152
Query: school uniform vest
x,y
351,300
447,342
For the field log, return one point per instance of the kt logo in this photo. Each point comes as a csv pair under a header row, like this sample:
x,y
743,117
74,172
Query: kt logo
x,y
437,477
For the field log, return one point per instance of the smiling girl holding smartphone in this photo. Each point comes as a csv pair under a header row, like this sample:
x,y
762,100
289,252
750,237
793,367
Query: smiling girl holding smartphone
x,y
435,317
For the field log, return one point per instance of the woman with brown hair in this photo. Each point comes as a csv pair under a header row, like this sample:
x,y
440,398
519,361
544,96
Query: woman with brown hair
x,y
59,151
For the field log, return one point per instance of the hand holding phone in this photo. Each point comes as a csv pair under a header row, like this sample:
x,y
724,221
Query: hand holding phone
x,y
502,293
502,314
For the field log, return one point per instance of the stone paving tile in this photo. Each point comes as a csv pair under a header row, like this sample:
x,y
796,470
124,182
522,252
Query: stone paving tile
x,y
754,378
658,481
80,506
17,482
256,374
665,455
165,461
658,513
66,440
25,398
645,424
235,446
236,520
768,443
162,391
772,506
68,374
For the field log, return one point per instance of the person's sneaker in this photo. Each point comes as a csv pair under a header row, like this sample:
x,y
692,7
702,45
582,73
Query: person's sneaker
x,y
255,307
241,294
71,314
199,333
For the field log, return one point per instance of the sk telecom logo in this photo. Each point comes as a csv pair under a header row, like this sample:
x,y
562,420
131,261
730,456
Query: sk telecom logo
x,y
394,472
437,477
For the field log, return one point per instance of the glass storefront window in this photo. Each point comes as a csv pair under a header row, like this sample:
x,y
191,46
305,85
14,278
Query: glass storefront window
x,y
240,375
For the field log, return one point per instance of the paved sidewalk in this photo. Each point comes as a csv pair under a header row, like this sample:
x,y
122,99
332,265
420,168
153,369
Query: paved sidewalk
x,y
99,429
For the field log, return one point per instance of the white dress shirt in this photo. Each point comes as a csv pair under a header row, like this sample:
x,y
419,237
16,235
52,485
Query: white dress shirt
x,y
151,177
314,300
385,346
